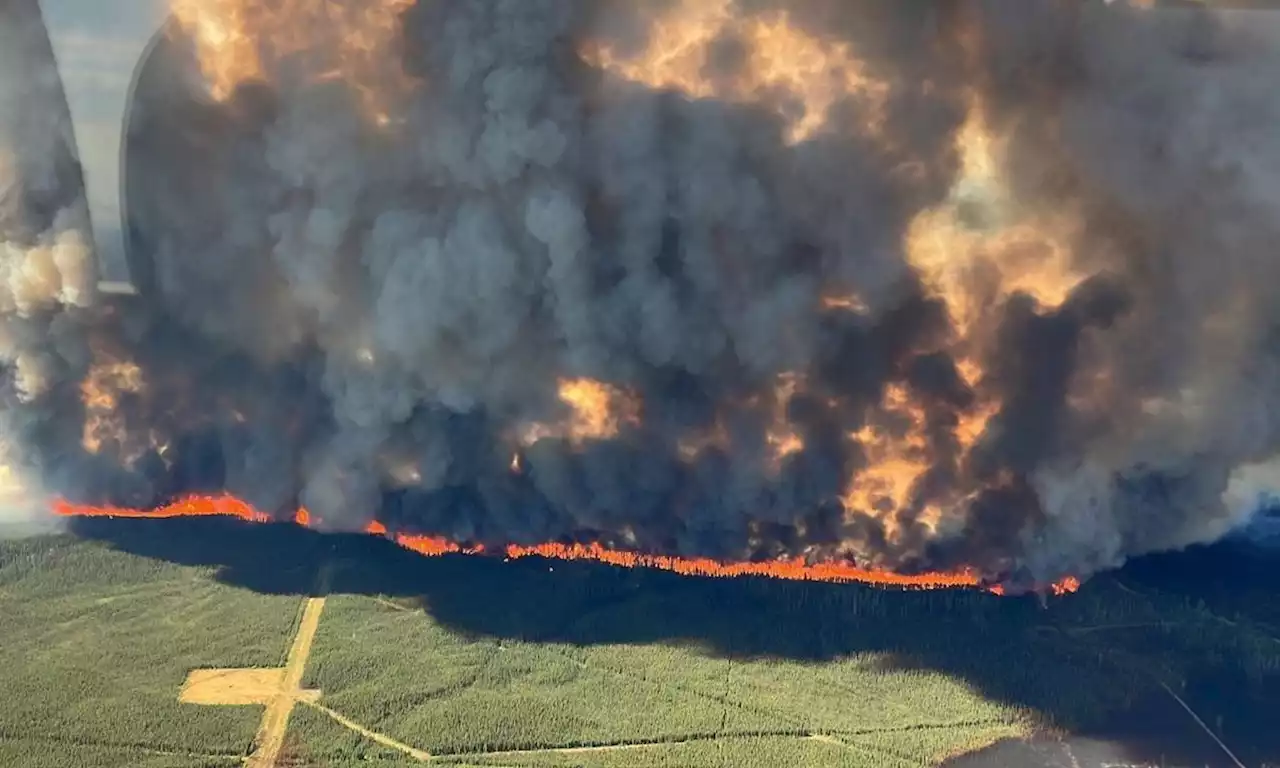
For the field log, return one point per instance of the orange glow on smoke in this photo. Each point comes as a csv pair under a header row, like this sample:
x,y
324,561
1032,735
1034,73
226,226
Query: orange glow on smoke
x,y
778,57
597,411
432,546
782,439
100,393
972,250
241,41
896,462
982,227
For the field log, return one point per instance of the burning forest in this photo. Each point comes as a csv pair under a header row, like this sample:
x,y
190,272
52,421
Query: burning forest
x,y
936,293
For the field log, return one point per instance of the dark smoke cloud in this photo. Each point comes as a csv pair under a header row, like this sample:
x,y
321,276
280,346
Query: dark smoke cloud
x,y
362,319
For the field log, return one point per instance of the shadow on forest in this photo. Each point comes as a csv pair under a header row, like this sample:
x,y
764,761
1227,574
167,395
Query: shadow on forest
x,y
1089,664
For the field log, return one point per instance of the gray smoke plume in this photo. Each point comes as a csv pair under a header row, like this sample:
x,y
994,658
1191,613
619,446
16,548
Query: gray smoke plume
x,y
47,271
375,294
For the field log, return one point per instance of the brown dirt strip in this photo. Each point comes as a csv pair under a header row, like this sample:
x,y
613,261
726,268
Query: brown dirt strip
x,y
275,722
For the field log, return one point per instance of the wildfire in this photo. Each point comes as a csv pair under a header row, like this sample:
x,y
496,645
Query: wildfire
x,y
981,229
101,393
973,423
973,250
778,60
240,41
895,463
981,225
431,546
597,412
782,439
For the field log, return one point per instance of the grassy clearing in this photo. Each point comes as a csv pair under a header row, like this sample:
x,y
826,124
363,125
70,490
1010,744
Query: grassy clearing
x,y
95,645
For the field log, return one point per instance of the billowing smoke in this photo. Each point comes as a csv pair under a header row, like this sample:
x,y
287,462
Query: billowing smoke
x,y
919,284
47,270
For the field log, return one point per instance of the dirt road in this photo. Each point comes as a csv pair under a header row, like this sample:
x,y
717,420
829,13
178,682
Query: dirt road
x,y
275,722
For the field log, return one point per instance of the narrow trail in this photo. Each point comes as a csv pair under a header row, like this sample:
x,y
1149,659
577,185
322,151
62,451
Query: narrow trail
x,y
393,605
275,721
380,738
673,741
834,739
1208,731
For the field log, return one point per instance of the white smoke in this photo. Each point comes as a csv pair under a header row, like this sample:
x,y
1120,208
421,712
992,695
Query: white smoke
x,y
1253,494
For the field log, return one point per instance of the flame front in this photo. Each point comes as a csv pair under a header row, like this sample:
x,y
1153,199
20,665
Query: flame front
x,y
740,281
795,569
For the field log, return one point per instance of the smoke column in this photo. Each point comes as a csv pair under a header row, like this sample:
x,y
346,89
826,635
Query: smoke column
x,y
47,271
920,285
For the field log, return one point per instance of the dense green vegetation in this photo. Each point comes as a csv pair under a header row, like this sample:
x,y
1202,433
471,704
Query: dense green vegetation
x,y
484,662
538,664
399,672
28,753
95,645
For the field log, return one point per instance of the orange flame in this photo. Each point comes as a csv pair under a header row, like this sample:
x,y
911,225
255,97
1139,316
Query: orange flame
x,y
950,246
794,569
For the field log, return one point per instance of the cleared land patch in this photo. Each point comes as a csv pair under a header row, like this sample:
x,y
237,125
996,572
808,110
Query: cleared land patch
x,y
94,644
232,687
276,689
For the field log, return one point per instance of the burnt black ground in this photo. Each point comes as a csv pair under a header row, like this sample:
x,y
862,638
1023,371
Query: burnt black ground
x,y
1091,666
